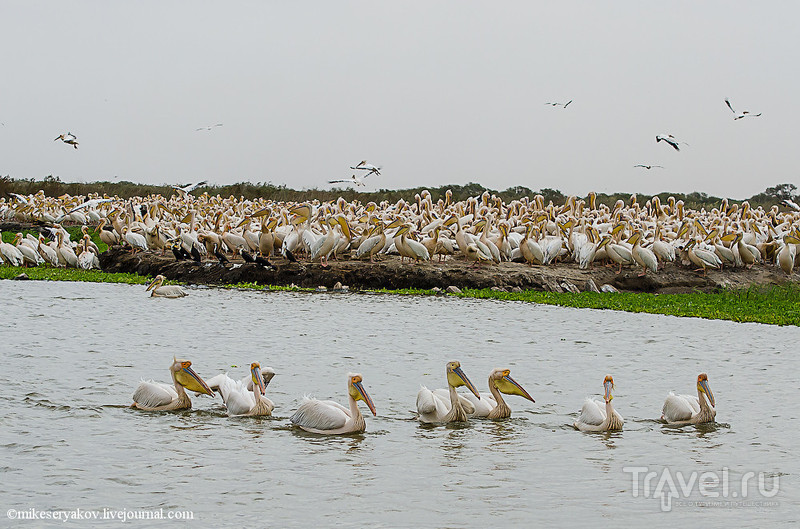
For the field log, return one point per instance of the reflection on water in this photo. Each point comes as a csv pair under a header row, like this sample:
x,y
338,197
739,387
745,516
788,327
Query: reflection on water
x,y
71,440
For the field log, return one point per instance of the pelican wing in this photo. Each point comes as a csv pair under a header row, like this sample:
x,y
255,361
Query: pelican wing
x,y
593,412
366,246
237,399
481,407
443,395
319,415
680,407
152,394
426,401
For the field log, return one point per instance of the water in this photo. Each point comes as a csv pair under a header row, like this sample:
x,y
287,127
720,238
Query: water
x,y
73,354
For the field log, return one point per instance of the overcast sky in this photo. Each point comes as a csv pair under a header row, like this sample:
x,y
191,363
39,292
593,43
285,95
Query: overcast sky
x,y
433,92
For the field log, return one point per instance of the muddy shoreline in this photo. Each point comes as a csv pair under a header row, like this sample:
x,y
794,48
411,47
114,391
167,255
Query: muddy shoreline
x,y
390,274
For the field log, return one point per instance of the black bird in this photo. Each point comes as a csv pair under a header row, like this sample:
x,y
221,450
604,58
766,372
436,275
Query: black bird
x,y
179,253
221,257
289,255
196,254
263,261
247,256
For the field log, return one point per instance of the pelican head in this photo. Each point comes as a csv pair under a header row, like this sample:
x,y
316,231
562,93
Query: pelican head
x,y
608,384
357,391
702,385
456,377
186,377
258,378
501,378
156,282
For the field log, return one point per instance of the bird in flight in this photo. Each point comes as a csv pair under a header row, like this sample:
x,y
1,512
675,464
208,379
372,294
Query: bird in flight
x,y
188,188
209,127
68,138
560,104
743,114
353,180
648,167
364,166
790,204
669,138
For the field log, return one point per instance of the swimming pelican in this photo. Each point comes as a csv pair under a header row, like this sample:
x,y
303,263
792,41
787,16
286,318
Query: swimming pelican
x,y
742,114
68,138
433,406
492,406
154,396
245,398
331,418
598,418
688,409
164,291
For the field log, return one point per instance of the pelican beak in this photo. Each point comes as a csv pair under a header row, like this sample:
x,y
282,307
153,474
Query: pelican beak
x,y
258,379
608,385
365,397
187,378
509,386
150,285
460,374
702,385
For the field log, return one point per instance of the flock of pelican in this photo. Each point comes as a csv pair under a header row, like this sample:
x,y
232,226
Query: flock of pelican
x,y
484,230
247,397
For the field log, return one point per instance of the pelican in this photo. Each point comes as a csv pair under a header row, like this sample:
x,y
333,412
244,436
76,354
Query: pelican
x,y
492,406
433,406
644,257
154,396
331,418
245,398
371,169
560,104
209,127
790,204
183,191
68,138
648,167
353,180
164,291
598,418
742,114
688,409
669,138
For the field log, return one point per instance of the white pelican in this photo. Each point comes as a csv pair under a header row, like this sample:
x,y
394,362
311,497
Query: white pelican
x,y
492,406
209,127
560,104
164,291
154,396
669,138
371,169
742,114
188,188
135,240
790,204
11,254
373,244
245,397
353,180
598,418
331,418
688,409
434,406
644,257
68,138
648,167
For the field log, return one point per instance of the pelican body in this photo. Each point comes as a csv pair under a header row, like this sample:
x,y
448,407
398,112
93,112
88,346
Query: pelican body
x,y
444,406
327,417
245,397
492,406
164,291
688,409
598,418
154,396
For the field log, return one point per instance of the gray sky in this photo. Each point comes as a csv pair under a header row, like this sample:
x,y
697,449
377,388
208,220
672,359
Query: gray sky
x,y
434,92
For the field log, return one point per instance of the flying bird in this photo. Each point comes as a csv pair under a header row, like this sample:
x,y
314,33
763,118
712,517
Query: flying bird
x,y
669,138
364,166
743,114
188,188
790,204
209,127
354,180
648,167
565,105
68,138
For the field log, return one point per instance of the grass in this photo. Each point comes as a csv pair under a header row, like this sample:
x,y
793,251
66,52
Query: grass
x,y
772,304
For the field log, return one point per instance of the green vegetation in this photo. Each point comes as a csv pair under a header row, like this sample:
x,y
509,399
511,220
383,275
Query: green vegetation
x,y
54,187
773,305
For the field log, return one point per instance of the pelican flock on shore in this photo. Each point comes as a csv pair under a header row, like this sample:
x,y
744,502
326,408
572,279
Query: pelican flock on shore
x,y
246,398
483,230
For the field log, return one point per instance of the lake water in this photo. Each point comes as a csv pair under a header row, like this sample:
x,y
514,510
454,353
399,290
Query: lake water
x,y
73,353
